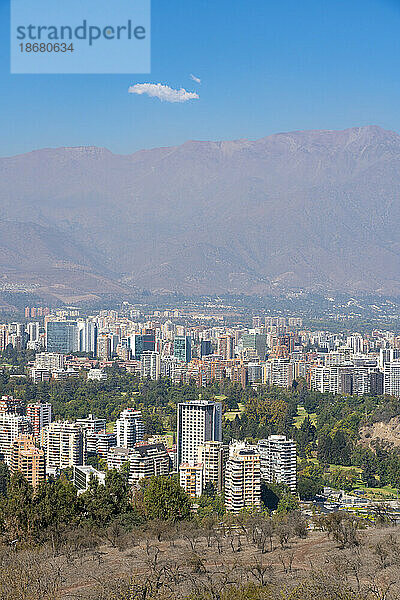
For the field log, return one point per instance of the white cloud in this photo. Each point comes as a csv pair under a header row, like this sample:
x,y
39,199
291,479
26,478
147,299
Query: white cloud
x,y
196,79
163,92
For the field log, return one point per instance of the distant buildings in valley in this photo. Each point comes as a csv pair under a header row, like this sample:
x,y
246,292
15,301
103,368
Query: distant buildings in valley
x,y
185,348
272,350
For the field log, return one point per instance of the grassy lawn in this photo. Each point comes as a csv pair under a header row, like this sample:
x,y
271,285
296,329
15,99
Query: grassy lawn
x,y
376,493
110,427
230,415
342,468
302,414
383,493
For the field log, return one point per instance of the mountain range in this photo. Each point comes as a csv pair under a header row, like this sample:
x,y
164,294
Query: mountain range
x,y
314,210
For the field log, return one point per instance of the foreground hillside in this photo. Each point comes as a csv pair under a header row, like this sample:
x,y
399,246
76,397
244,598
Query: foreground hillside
x,y
191,563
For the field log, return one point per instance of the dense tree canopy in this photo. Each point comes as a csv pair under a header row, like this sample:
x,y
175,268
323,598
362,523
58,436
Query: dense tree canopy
x,y
162,498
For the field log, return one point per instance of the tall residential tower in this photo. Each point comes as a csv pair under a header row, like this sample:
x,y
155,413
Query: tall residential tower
x,y
199,421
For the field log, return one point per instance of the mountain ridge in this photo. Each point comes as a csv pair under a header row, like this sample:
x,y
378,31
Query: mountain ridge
x,y
312,209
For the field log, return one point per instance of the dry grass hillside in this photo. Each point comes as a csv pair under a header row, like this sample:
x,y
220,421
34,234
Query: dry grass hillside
x,y
382,433
163,562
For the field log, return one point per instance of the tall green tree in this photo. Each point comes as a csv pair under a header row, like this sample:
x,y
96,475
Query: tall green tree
x,y
340,451
55,504
17,507
163,498
4,478
104,503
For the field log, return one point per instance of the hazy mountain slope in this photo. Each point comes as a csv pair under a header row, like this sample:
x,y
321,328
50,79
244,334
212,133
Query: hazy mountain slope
x,y
314,209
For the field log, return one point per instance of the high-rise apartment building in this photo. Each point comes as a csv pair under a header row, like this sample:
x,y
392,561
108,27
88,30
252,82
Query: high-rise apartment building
x,y
391,381
27,458
275,322
295,322
145,460
242,479
279,372
148,460
376,383
226,346
191,479
103,351
150,365
278,460
51,361
212,455
92,423
117,457
388,355
360,381
10,405
39,415
11,427
39,375
3,337
63,444
32,330
255,372
199,421
129,428
347,379
100,442
87,336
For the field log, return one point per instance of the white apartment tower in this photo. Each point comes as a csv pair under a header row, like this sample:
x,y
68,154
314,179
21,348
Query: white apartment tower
x,y
51,361
145,460
242,479
129,428
212,455
32,330
87,336
150,365
391,378
278,460
11,427
388,355
279,372
63,445
199,421
92,423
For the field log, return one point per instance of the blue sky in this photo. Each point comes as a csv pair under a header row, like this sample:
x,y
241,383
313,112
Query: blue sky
x,y
266,66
